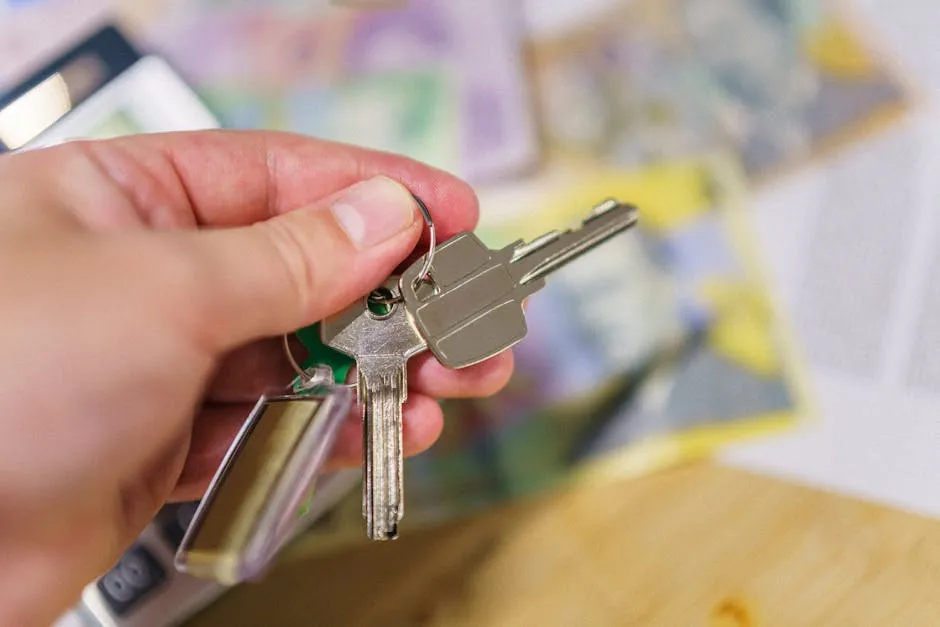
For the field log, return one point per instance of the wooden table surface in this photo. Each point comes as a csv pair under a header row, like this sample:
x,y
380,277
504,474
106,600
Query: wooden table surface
x,y
698,545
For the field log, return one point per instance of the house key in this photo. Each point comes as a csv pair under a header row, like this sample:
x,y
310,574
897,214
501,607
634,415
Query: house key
x,y
469,308
462,300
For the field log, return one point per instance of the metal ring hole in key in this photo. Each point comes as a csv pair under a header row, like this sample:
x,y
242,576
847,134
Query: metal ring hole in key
x,y
382,303
386,297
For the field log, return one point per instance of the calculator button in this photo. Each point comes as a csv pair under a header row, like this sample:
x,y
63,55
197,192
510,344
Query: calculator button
x,y
174,521
135,576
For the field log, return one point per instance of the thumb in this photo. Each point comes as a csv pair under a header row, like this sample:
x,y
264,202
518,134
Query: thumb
x,y
288,272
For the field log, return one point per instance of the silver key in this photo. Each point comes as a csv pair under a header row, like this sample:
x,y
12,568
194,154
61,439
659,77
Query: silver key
x,y
382,344
470,308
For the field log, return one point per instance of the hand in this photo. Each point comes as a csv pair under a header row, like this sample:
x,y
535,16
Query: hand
x,y
145,282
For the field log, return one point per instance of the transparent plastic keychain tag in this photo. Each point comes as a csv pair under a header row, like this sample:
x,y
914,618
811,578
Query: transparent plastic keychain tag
x,y
260,494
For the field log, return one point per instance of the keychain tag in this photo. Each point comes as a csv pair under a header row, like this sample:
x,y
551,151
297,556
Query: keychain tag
x,y
263,487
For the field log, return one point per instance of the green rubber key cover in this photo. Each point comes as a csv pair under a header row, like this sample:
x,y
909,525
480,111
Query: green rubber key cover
x,y
322,355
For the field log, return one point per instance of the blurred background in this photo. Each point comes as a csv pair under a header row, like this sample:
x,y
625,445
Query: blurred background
x,y
775,311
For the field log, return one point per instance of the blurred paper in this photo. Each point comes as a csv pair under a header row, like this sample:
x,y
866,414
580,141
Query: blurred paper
x,y
659,347
778,81
856,249
295,66
411,113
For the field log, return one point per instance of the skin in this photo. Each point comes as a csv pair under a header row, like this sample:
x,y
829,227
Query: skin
x,y
145,282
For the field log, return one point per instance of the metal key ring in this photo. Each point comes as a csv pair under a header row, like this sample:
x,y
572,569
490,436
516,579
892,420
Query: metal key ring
x,y
304,376
323,374
432,248
382,299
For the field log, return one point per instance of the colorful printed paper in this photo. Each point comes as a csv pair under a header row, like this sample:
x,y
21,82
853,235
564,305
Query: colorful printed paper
x,y
310,68
778,81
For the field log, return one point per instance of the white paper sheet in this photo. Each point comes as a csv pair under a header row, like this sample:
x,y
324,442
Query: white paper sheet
x,y
854,248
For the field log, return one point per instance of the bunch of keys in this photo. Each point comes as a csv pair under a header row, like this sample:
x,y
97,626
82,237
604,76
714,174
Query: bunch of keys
x,y
462,301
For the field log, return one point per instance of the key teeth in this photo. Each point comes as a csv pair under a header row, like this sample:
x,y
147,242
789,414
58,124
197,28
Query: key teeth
x,y
523,250
607,205
549,252
611,204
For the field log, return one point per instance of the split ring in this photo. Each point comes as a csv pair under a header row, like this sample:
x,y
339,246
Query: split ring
x,y
382,299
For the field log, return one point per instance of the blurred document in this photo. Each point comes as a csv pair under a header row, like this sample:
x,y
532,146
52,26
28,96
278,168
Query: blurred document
x,y
545,18
778,81
855,249
442,82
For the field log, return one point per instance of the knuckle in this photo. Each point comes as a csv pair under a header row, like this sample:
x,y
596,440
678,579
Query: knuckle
x,y
293,259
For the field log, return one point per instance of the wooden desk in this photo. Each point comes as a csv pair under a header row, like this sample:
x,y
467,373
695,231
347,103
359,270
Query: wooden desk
x,y
699,545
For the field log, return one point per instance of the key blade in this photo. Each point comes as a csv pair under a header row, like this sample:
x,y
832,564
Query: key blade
x,y
382,344
385,391
545,254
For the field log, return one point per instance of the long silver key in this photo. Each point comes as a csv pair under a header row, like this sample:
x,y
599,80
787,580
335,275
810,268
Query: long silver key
x,y
381,342
470,308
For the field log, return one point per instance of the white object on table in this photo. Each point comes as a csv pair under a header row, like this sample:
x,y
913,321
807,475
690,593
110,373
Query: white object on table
x,y
854,248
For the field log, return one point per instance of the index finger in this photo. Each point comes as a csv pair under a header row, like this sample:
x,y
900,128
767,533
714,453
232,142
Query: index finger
x,y
235,178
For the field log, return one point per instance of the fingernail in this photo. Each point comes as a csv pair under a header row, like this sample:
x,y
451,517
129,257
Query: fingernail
x,y
373,211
